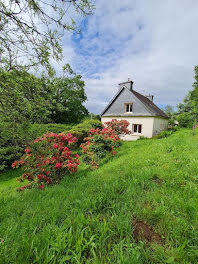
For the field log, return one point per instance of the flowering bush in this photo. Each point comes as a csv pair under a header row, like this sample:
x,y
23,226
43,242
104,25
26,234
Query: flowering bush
x,y
119,126
98,144
102,142
47,160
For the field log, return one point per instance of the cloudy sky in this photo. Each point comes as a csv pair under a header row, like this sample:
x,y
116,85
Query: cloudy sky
x,y
152,42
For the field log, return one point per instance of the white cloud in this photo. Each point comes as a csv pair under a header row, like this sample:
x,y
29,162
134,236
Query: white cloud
x,y
152,42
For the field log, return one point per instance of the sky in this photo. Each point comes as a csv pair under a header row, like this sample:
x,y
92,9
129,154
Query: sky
x,y
154,43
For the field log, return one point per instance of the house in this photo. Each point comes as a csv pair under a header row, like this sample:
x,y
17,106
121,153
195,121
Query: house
x,y
144,117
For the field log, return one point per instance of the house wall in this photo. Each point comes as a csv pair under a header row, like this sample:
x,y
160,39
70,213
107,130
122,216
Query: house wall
x,y
146,122
159,125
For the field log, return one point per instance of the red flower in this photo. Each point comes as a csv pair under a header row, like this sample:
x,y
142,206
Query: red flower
x,y
39,176
14,164
58,165
65,149
77,156
41,186
27,150
55,146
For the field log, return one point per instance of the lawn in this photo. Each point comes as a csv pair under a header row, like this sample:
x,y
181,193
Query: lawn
x,y
139,207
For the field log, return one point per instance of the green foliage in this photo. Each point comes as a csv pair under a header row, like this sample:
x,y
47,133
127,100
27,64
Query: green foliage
x,y
67,98
87,218
167,133
102,142
13,139
188,110
99,145
164,134
23,97
170,112
185,119
81,130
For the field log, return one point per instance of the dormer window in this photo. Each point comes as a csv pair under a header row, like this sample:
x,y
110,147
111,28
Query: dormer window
x,y
129,108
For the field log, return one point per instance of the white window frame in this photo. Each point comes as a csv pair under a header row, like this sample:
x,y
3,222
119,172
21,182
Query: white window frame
x,y
138,125
130,104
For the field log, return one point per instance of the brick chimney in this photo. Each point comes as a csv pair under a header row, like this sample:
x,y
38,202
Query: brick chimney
x,y
128,84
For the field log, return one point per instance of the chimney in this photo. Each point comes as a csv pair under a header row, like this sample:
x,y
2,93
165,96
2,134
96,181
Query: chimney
x,y
128,84
150,97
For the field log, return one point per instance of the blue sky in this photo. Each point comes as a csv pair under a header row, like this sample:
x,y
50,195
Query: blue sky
x,y
152,42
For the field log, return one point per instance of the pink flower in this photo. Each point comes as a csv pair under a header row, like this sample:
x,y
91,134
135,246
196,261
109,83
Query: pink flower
x,y
13,164
55,146
41,186
58,165
65,149
77,156
27,150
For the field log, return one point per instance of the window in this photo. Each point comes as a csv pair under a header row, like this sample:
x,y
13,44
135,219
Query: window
x,y
129,108
137,129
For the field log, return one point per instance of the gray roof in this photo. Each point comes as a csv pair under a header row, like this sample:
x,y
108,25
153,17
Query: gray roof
x,y
144,106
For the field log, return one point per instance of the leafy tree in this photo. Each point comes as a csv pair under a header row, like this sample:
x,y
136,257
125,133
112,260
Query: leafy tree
x,y
23,97
31,31
170,112
188,110
27,98
185,119
68,96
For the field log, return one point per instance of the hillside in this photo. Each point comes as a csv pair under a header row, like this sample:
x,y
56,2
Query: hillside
x,y
140,207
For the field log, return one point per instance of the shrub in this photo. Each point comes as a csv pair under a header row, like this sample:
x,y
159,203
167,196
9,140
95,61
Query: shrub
x,y
47,160
98,145
14,137
102,142
164,134
81,130
119,126
185,119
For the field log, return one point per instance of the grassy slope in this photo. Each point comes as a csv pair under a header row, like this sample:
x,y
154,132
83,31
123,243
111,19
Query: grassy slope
x,y
87,218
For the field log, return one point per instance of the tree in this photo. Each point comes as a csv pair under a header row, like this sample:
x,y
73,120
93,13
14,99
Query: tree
x,y
68,96
170,112
46,99
23,97
31,31
188,110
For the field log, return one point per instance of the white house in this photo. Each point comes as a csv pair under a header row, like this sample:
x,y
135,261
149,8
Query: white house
x,y
144,117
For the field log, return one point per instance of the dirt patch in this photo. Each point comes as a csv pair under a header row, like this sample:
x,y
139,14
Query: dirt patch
x,y
144,232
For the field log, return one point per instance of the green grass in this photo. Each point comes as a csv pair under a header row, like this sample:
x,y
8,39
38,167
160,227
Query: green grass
x,y
88,217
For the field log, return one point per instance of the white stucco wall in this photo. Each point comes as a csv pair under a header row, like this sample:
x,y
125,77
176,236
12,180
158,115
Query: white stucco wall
x,y
160,124
150,125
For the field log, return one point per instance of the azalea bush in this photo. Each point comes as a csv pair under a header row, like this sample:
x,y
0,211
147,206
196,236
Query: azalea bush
x,y
98,145
119,126
103,142
47,160
81,130
14,137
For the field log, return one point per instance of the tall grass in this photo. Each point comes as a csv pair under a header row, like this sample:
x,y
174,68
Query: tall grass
x,y
88,217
